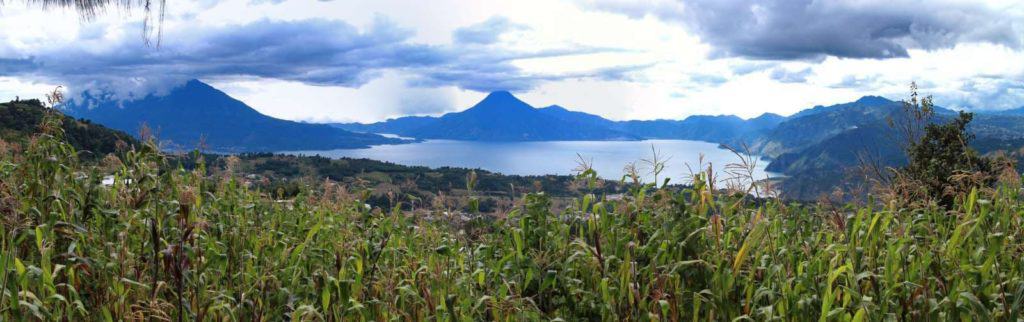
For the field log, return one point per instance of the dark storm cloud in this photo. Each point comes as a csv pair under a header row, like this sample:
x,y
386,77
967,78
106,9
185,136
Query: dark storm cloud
x,y
320,52
490,69
11,66
486,32
810,30
316,52
491,77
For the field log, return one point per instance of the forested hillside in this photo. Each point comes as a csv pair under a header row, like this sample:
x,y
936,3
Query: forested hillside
x,y
21,120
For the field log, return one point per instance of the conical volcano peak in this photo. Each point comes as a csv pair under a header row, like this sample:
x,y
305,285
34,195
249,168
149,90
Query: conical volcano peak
x,y
502,101
501,97
500,94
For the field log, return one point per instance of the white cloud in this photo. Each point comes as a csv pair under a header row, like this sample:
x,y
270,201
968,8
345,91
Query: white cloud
x,y
387,96
12,88
637,61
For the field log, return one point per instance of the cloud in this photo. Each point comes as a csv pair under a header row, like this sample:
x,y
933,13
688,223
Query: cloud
x,y
812,30
10,66
259,2
662,9
618,73
986,93
861,82
708,79
315,51
476,74
746,67
787,76
311,51
482,78
486,32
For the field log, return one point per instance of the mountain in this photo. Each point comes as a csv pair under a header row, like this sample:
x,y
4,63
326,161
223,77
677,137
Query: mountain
x,y
20,120
864,101
1016,111
503,117
575,116
400,126
498,117
718,128
1007,126
819,148
834,162
814,125
522,122
822,148
196,112
766,121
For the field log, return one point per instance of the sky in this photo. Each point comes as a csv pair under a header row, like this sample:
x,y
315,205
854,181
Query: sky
x,y
367,61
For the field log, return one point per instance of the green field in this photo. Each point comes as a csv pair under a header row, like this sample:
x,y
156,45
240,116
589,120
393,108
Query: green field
x,y
186,245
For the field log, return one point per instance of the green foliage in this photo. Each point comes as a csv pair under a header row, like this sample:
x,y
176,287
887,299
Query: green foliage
x,y
291,173
20,120
170,243
942,156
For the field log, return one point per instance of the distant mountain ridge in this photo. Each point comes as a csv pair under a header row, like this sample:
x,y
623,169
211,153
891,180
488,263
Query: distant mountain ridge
x,y
503,117
1015,111
196,112
498,117
563,113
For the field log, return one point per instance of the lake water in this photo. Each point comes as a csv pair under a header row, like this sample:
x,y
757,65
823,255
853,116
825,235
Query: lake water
x,y
609,158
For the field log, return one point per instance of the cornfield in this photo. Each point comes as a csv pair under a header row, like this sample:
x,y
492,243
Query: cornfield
x,y
175,245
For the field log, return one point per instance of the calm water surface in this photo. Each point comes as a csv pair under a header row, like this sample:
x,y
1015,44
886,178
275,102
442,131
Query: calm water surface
x,y
551,157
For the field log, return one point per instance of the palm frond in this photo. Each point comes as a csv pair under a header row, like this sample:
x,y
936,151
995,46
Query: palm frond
x,y
153,11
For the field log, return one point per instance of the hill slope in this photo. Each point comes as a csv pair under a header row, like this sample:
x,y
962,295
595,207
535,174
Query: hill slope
x,y
21,119
196,112
829,163
815,125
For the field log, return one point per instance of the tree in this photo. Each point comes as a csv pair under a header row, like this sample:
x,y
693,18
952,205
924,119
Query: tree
x,y
917,113
943,164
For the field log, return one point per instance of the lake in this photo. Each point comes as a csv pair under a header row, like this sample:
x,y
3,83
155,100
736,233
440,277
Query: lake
x,y
609,158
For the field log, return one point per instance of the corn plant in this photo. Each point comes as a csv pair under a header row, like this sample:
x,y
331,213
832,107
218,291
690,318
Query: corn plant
x,y
174,244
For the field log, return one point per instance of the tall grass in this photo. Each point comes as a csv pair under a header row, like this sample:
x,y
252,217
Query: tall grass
x,y
179,245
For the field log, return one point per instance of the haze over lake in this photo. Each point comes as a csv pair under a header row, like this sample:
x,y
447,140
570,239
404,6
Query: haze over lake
x,y
551,157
